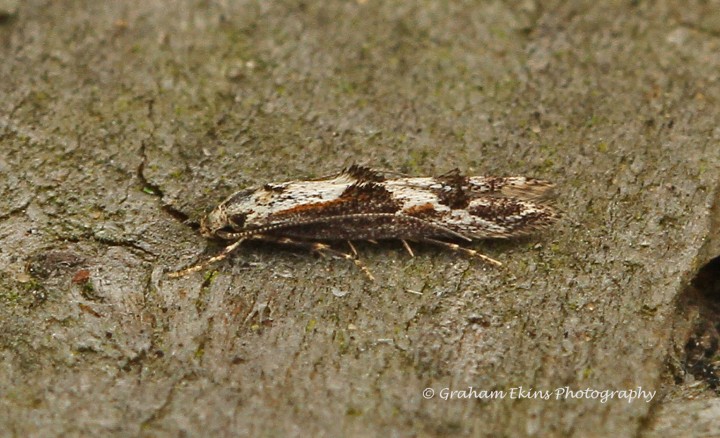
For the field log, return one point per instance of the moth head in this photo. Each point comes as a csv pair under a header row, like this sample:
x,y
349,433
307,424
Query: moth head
x,y
228,217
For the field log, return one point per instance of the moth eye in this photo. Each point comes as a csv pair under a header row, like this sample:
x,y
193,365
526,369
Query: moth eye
x,y
238,220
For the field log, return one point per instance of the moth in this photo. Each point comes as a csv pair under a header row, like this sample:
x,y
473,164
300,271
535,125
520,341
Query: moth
x,y
360,203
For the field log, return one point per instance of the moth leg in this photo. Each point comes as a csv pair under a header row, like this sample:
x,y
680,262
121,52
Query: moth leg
x,y
358,262
352,249
320,248
223,254
407,247
457,248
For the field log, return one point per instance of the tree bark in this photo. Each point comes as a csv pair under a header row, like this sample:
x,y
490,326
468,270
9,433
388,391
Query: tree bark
x,y
122,122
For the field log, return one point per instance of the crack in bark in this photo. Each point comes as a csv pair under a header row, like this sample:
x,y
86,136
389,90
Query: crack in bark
x,y
164,408
158,192
701,302
122,243
154,188
695,342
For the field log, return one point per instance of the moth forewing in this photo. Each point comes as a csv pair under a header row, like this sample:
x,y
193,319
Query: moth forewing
x,y
359,203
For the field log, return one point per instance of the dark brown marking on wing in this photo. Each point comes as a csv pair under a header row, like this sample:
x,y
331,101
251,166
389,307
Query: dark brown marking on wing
x,y
364,174
276,188
519,217
496,208
357,198
422,211
494,183
453,192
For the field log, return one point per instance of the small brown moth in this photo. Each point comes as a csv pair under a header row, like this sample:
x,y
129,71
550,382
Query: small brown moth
x,y
360,203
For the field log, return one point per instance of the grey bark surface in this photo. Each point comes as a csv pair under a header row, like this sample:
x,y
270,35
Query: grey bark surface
x,y
119,120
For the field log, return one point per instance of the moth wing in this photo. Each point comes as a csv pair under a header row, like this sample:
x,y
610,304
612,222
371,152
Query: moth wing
x,y
501,217
529,189
362,173
452,174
